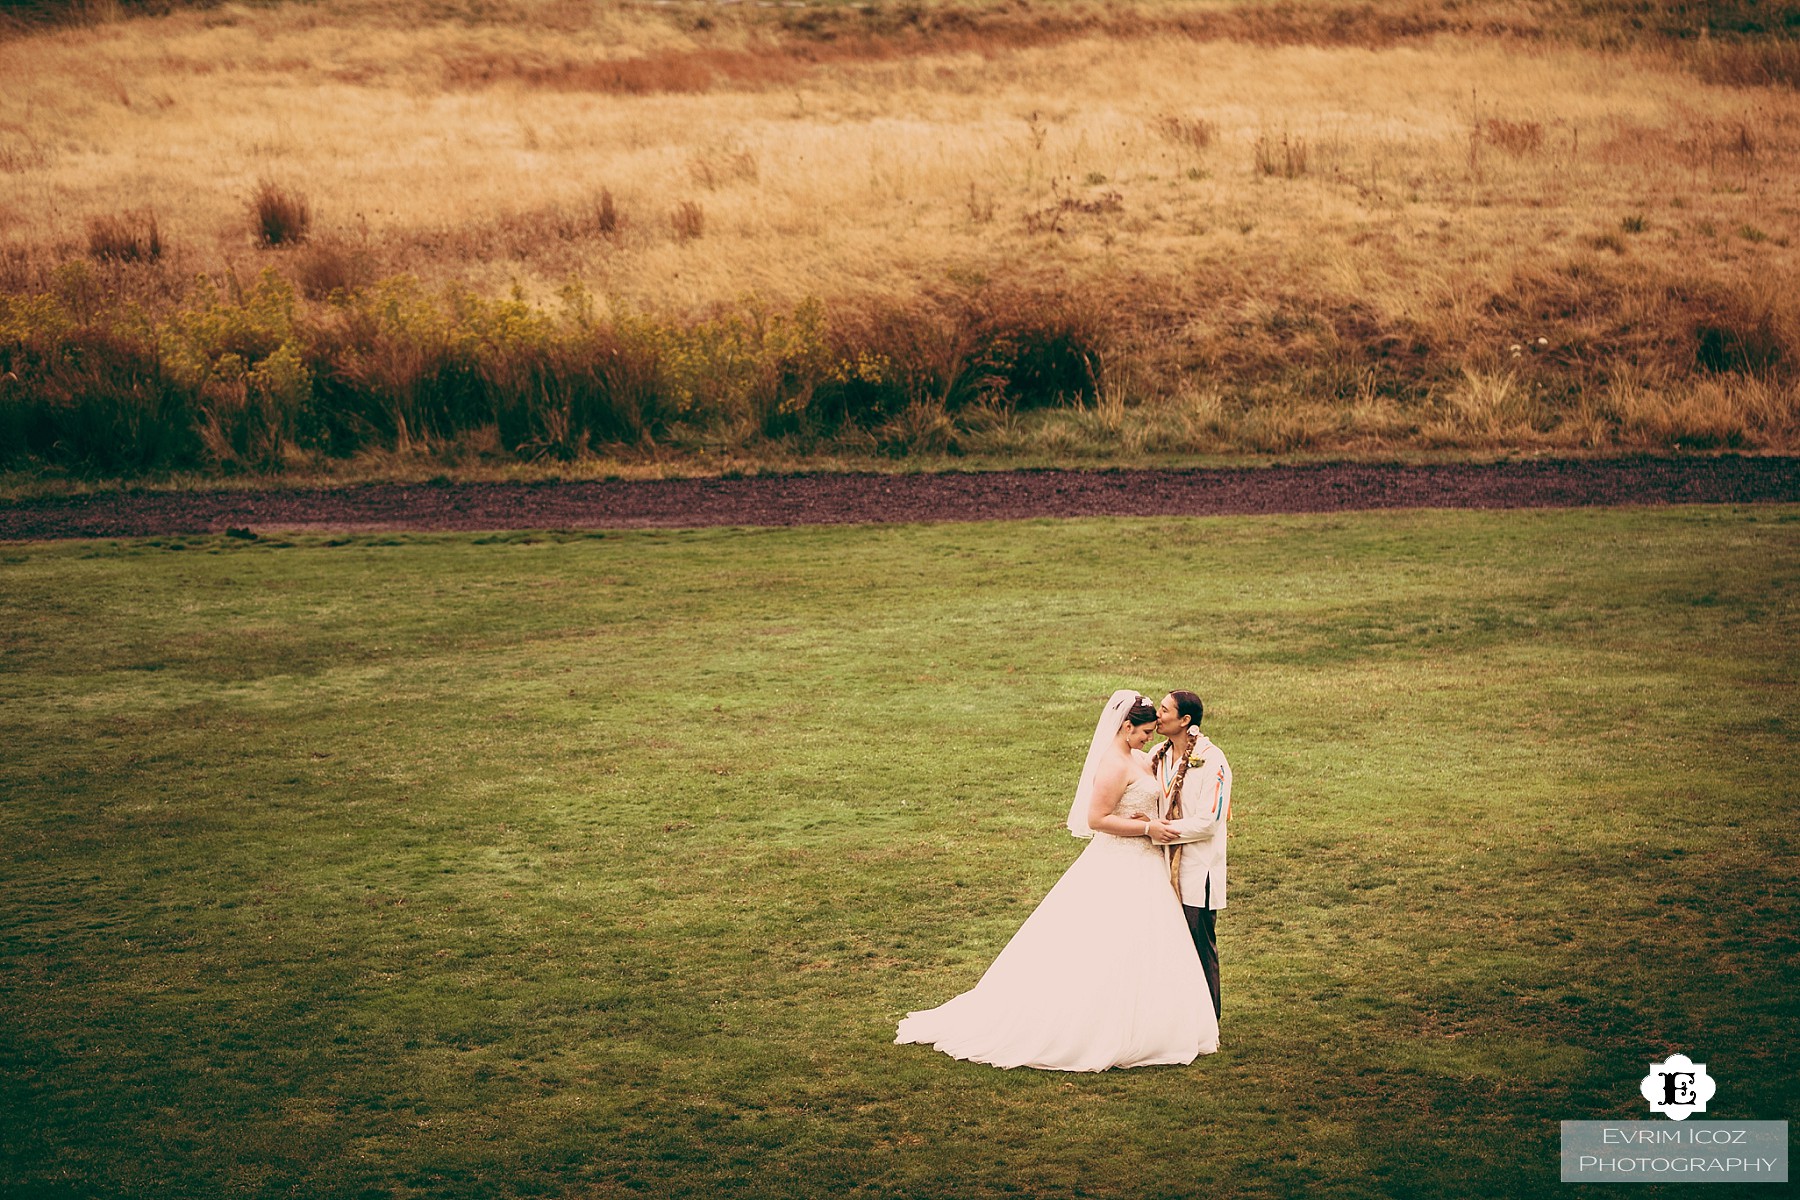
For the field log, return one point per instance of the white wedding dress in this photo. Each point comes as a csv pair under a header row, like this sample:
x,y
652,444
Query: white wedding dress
x,y
1102,974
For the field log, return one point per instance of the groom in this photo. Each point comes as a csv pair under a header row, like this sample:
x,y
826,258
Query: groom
x,y
1194,773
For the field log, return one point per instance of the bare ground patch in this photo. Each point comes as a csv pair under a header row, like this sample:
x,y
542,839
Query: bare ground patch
x,y
787,500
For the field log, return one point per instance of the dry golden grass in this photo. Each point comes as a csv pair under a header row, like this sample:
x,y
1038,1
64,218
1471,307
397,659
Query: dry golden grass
x,y
1402,218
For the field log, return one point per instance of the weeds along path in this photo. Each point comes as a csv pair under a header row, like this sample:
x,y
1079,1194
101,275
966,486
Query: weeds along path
x,y
866,498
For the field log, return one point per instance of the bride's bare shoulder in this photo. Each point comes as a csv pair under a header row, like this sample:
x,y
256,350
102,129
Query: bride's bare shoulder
x,y
1113,771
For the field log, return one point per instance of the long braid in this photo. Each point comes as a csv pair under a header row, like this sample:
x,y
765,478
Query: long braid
x,y
1174,809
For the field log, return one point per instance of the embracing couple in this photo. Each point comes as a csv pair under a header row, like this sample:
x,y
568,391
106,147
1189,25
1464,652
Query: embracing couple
x,y
1118,966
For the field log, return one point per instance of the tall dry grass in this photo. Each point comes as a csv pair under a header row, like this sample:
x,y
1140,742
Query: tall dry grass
x,y
1302,227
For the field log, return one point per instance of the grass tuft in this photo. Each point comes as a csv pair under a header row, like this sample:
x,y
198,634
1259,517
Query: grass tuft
x,y
1191,133
687,221
125,238
1286,157
327,267
1514,137
279,216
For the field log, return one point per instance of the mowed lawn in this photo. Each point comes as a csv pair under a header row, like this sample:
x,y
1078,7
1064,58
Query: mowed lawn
x,y
603,865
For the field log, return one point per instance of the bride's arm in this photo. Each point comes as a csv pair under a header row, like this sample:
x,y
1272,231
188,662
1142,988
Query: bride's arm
x,y
1107,791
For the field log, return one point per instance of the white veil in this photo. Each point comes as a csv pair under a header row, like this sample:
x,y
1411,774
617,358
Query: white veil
x,y
1111,717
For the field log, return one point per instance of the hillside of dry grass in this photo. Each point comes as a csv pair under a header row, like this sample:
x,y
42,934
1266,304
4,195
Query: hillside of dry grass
x,y
294,235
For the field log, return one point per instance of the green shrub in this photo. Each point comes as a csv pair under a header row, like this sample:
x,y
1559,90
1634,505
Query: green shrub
x,y
241,362
128,379
85,398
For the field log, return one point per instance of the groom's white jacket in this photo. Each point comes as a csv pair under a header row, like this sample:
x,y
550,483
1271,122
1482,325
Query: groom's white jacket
x,y
1205,804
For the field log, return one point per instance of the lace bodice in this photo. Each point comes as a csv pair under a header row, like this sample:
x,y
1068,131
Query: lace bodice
x,y
1142,795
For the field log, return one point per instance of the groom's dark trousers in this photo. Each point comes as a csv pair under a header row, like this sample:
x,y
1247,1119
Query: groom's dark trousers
x,y
1202,925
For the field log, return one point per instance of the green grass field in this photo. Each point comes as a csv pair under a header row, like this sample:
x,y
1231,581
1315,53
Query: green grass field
x,y
603,865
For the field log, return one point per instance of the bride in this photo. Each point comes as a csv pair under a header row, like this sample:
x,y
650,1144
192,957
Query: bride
x,y
1103,973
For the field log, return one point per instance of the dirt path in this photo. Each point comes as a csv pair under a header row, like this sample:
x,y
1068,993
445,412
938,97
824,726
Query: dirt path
x,y
848,499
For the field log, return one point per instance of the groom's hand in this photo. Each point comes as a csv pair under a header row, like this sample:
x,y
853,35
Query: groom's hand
x,y
1162,833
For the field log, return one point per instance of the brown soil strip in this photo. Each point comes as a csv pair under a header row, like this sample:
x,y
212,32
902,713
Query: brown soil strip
x,y
863,498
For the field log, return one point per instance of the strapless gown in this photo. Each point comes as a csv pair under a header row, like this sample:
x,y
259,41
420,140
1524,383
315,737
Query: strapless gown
x,y
1102,974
